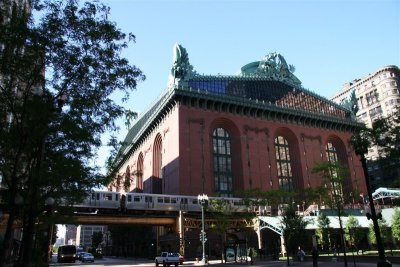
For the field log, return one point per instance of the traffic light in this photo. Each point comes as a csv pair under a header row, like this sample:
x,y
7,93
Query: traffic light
x,y
203,236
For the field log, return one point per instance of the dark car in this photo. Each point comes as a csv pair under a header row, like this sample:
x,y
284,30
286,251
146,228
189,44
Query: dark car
x,y
79,255
87,257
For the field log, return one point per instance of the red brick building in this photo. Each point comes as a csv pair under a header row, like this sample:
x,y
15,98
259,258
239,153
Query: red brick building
x,y
223,134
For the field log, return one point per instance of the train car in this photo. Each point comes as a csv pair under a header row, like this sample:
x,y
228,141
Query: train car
x,y
130,202
101,199
143,201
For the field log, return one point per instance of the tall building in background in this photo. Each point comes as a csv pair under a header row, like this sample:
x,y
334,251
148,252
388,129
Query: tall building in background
x,y
70,234
378,95
84,234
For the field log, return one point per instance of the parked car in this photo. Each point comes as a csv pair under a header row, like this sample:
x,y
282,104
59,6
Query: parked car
x,y
181,259
167,259
79,255
87,257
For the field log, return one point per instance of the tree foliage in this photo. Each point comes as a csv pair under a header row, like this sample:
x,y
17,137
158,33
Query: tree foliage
x,y
60,65
353,232
294,227
97,239
323,230
333,175
384,230
396,223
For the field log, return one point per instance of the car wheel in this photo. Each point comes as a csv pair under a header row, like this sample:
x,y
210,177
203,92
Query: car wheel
x,y
157,263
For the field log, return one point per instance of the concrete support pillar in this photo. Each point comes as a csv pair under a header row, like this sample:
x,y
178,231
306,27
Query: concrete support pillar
x,y
283,248
256,223
181,232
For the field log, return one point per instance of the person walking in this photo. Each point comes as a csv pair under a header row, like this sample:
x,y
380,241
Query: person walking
x,y
315,257
300,254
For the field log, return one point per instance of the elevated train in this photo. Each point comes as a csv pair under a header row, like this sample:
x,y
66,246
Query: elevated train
x,y
131,202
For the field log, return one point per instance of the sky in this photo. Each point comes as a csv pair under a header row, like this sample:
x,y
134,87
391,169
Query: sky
x,y
330,42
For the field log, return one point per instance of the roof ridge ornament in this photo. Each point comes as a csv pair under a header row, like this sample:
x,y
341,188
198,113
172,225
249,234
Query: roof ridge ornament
x,y
274,66
181,67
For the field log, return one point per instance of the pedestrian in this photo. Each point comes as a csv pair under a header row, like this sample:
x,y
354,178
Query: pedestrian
x,y
315,257
251,256
300,254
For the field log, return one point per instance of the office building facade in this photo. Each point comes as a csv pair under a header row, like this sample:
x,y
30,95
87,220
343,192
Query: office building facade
x,y
378,96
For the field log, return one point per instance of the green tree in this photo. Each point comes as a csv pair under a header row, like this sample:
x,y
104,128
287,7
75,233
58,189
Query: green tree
x,y
353,232
294,227
97,239
323,230
333,175
221,212
385,232
60,66
396,224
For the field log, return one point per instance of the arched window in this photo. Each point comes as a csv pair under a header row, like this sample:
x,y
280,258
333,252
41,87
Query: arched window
x,y
284,167
332,156
331,153
157,157
139,172
127,181
223,178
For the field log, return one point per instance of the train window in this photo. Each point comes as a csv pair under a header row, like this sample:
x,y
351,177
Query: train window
x,y
107,197
93,196
116,197
136,199
160,200
167,200
184,200
148,199
173,200
129,198
195,201
237,203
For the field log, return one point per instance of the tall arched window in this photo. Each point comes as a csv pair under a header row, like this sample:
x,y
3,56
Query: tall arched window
x,y
157,157
283,163
223,178
127,181
332,156
139,173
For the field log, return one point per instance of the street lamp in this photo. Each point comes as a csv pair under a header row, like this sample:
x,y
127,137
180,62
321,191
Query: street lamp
x,y
49,206
203,200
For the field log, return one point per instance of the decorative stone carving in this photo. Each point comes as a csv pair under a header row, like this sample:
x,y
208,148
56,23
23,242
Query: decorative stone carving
x,y
351,103
274,66
180,62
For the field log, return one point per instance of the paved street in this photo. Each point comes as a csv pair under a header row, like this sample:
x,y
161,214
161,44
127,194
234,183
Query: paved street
x,y
116,262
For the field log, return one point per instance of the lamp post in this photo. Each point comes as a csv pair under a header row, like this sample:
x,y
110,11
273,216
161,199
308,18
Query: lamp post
x,y
203,200
49,206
